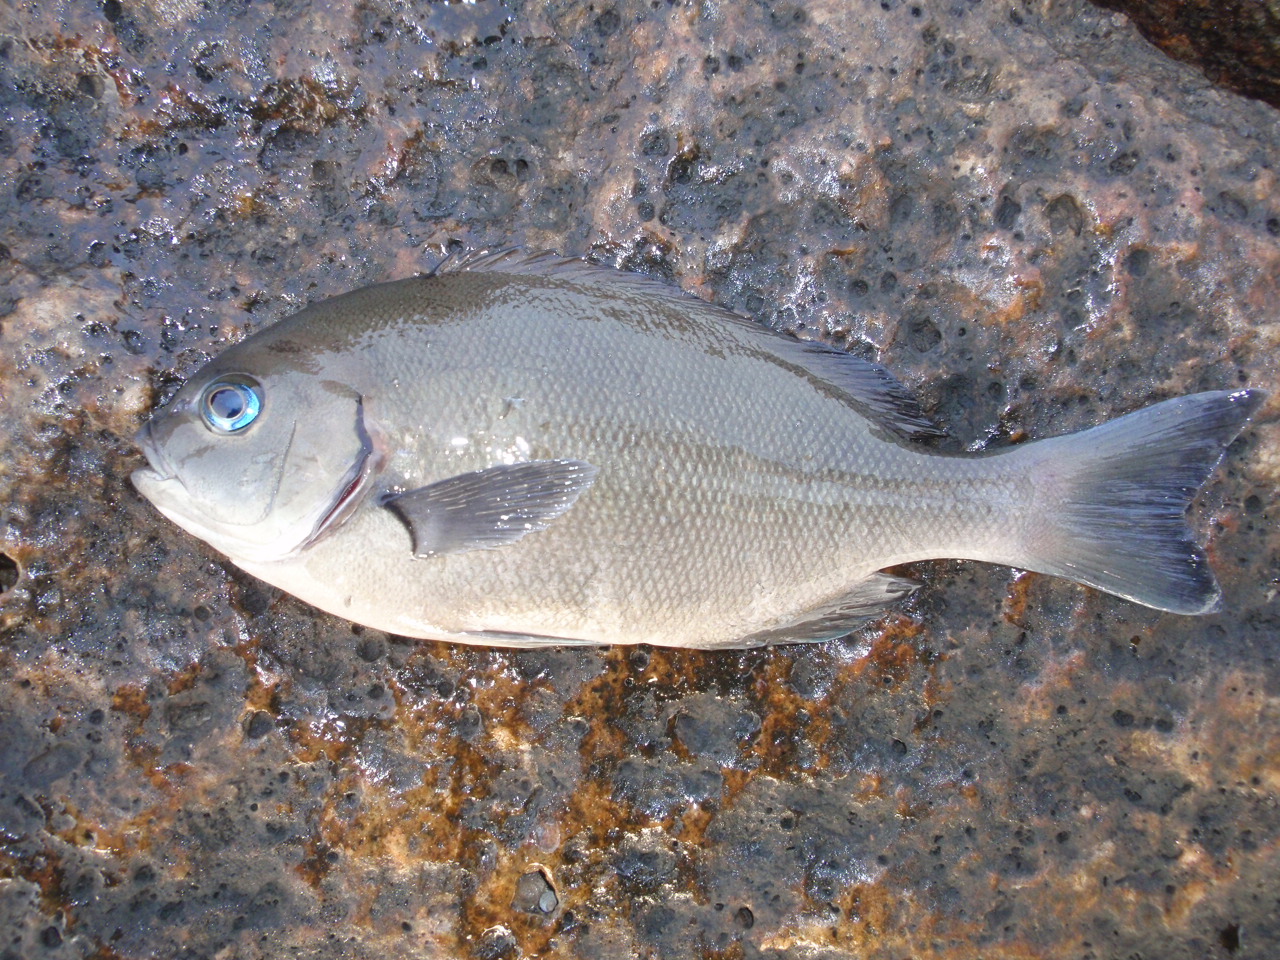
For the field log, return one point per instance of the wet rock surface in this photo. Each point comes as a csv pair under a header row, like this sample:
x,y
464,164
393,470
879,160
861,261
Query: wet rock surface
x,y
1235,42
1033,217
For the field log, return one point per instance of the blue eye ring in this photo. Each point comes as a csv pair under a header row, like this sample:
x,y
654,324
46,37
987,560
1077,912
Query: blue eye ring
x,y
229,405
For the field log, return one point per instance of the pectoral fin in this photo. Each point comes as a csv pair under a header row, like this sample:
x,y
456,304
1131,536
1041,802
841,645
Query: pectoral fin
x,y
492,507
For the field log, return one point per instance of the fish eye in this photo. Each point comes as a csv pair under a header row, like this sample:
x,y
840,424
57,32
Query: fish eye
x,y
228,406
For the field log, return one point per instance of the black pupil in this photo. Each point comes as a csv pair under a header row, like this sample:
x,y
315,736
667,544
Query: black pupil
x,y
227,403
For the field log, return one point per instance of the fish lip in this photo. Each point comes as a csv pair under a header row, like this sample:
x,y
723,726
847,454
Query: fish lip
x,y
158,467
355,482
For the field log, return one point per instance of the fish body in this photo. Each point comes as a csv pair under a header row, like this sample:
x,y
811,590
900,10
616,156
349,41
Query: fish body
x,y
521,450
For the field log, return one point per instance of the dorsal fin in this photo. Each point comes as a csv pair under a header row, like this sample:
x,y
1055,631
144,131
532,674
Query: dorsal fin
x,y
873,390
548,263
868,387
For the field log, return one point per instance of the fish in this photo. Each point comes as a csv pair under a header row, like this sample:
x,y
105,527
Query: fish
x,y
520,449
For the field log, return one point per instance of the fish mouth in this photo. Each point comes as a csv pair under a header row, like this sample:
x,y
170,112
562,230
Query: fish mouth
x,y
158,468
159,483
356,481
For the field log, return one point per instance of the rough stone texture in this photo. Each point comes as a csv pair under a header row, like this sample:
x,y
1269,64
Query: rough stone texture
x,y
1235,42
1029,213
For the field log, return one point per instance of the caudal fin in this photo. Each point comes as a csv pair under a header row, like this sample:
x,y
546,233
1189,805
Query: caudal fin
x,y
1115,498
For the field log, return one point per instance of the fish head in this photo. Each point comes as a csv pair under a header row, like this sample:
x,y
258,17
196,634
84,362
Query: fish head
x,y
259,454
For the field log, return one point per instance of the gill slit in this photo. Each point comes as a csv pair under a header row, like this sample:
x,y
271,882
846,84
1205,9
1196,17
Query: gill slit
x,y
368,462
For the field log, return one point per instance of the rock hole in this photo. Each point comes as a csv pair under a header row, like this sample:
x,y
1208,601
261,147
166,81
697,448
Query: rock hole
x,y
1065,215
1229,937
10,573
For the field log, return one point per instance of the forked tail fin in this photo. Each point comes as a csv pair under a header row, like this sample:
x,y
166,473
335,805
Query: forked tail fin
x,y
1114,497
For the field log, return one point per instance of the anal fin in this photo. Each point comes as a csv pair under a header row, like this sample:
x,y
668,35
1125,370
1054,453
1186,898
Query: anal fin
x,y
868,600
504,638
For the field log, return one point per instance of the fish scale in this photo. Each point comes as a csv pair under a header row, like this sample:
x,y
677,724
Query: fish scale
x,y
520,450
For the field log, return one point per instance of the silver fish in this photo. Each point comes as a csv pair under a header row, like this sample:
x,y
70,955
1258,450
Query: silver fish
x,y
522,450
